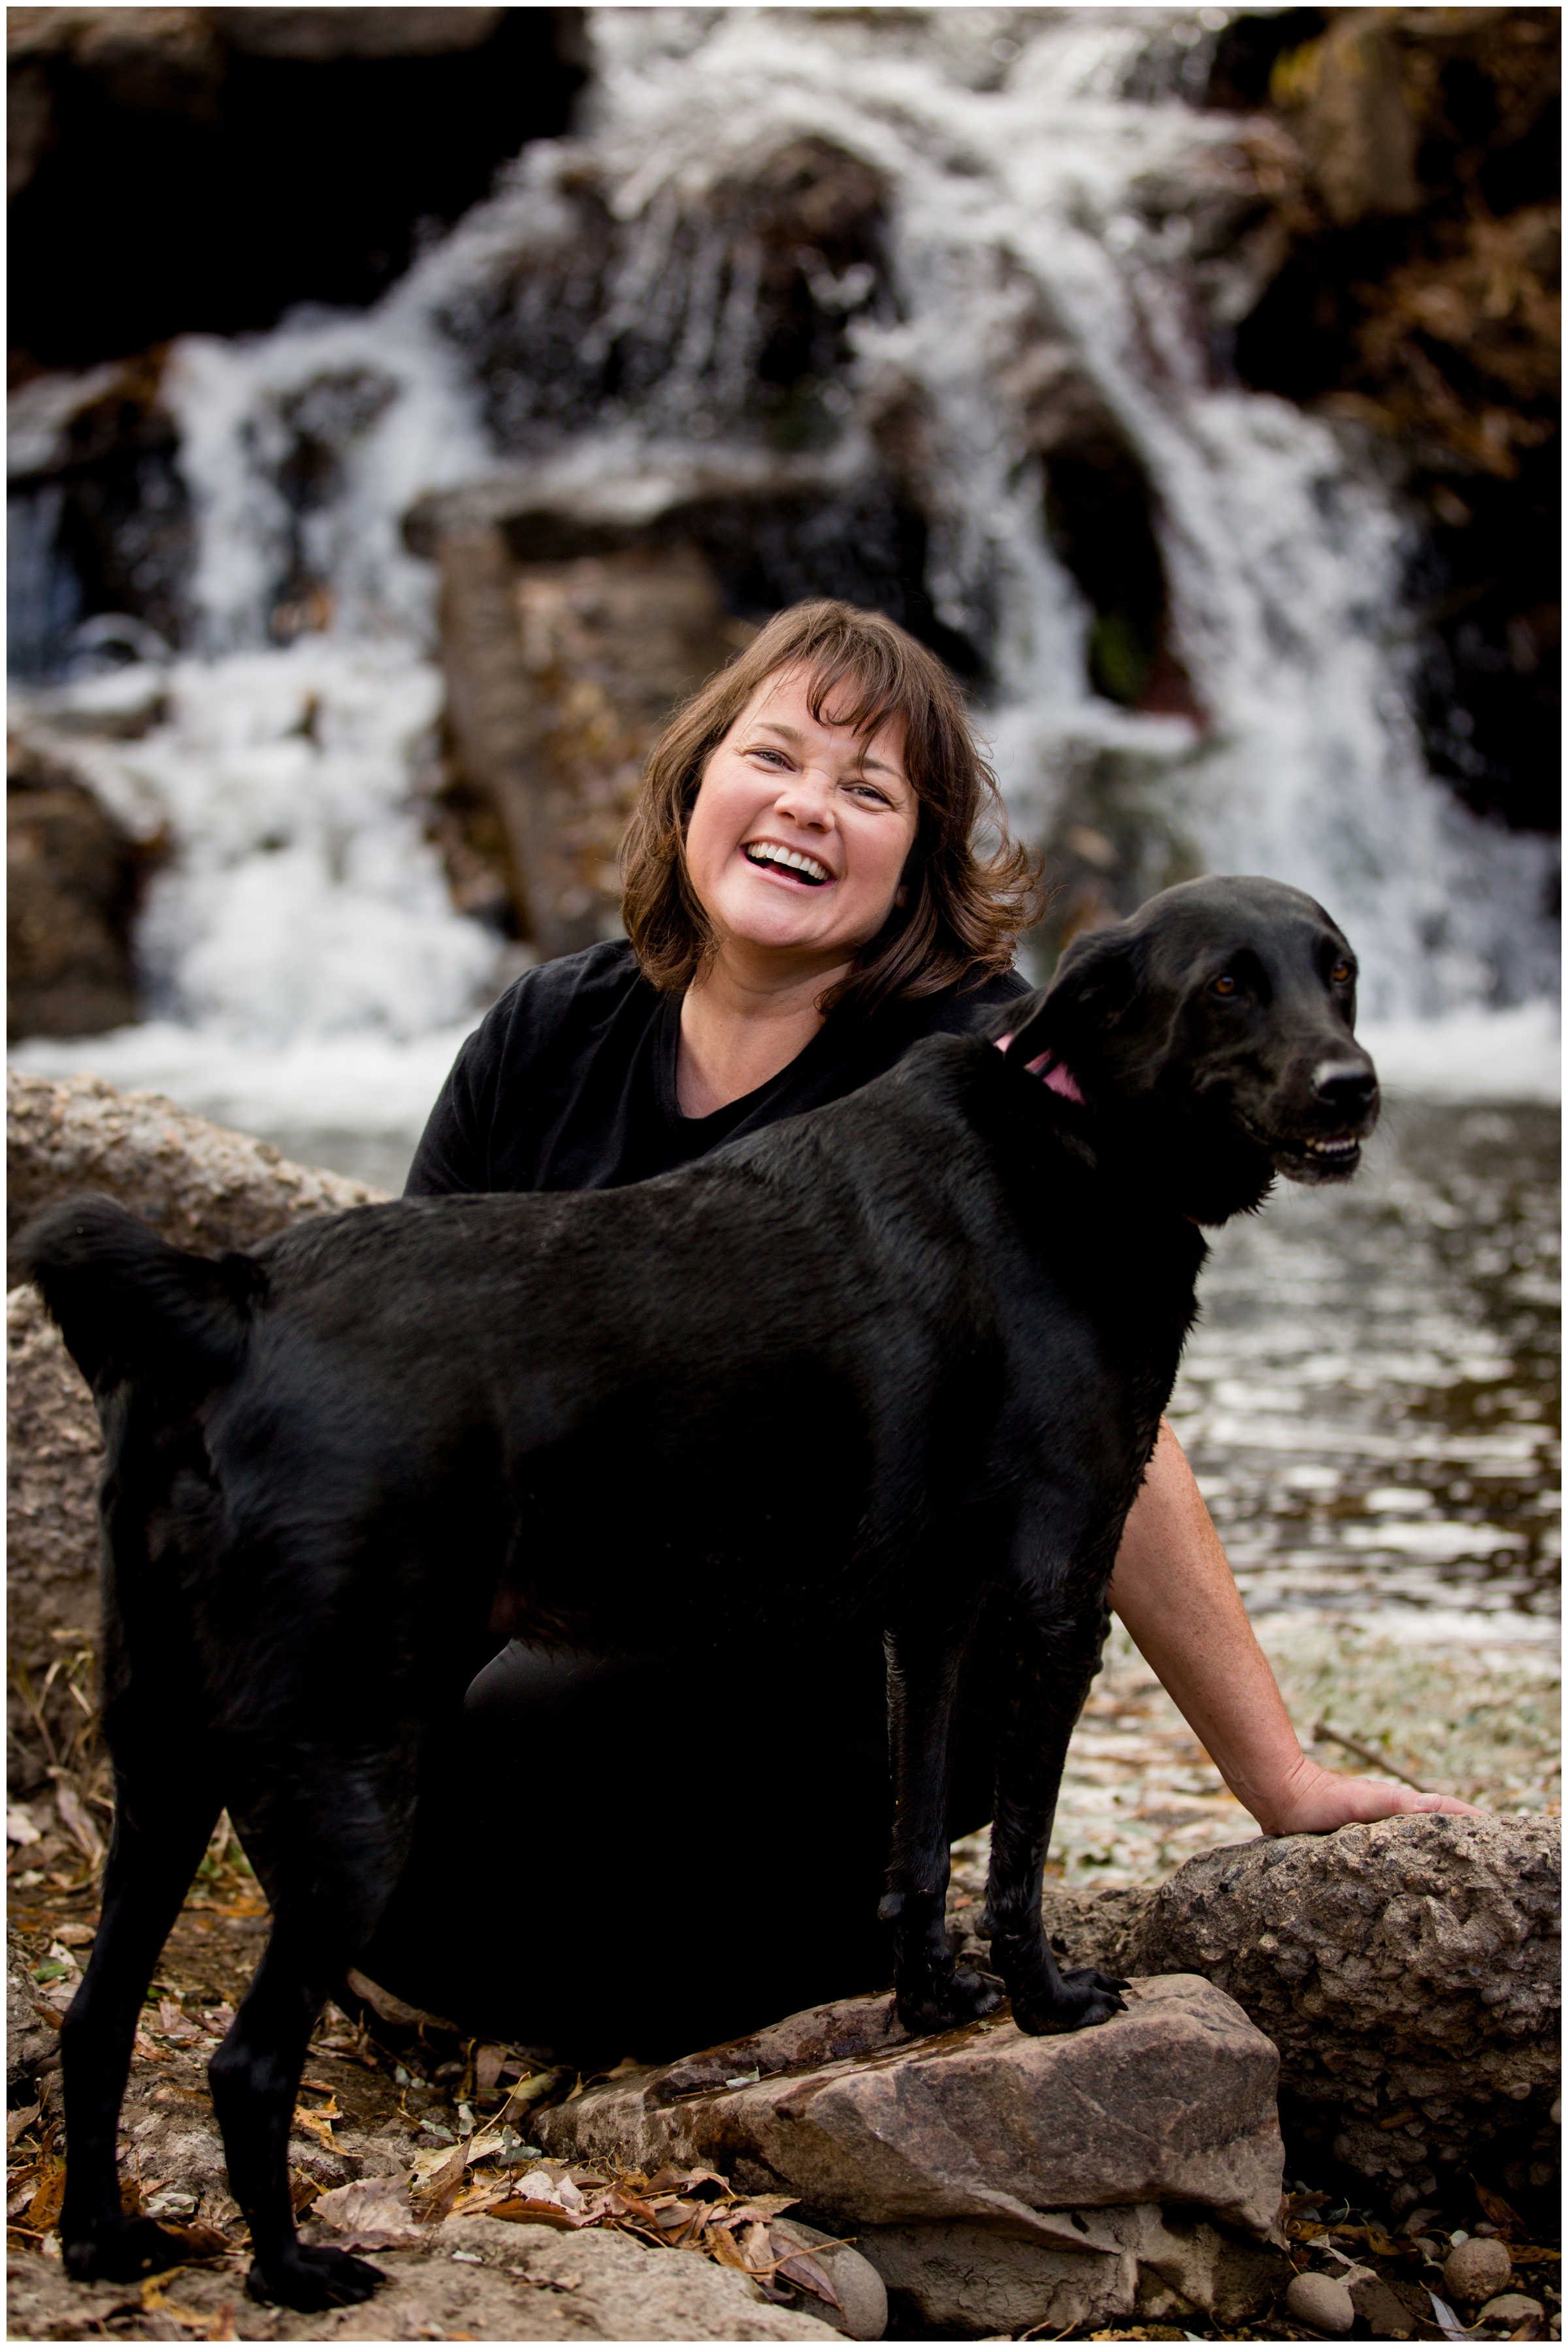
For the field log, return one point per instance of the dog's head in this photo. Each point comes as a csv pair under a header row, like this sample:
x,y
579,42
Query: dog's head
x,y
1214,1031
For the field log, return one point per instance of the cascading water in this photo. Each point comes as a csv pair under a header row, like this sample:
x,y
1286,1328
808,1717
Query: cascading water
x,y
603,316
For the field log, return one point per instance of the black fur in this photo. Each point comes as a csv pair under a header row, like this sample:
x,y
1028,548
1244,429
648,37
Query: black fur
x,y
904,1356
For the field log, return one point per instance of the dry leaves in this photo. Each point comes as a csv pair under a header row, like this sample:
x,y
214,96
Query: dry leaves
x,y
678,2209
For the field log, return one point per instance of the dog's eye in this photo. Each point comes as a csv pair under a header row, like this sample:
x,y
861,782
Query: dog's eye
x,y
1341,974
1223,985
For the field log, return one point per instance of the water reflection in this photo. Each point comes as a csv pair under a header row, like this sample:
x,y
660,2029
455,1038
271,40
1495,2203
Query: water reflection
x,y
1371,1397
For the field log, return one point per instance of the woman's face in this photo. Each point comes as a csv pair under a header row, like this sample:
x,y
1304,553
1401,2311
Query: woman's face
x,y
798,838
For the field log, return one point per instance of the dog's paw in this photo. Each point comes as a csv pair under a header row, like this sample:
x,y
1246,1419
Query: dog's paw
x,y
123,2254
309,2279
1086,1997
945,2005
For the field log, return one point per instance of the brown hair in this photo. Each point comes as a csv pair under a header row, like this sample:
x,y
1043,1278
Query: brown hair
x,y
962,909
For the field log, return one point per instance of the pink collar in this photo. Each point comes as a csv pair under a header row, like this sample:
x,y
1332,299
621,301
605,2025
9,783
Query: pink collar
x,y
1050,1072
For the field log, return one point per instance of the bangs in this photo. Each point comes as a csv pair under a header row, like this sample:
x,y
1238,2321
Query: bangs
x,y
876,684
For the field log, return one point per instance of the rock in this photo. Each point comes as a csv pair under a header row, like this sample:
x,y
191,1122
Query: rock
x,y
1172,2101
1345,99
560,675
1381,2309
1321,2304
1511,2307
101,518
202,1186
1407,1971
73,875
1142,2261
320,35
54,1454
862,2311
205,1189
1477,2269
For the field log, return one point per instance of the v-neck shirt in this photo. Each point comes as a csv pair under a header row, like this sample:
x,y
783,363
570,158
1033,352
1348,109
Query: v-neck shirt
x,y
569,1082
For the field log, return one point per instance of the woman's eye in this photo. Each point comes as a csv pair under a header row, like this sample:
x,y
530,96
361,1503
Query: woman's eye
x,y
1223,985
1341,974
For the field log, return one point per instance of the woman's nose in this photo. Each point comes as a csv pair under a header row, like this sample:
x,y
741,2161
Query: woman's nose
x,y
806,796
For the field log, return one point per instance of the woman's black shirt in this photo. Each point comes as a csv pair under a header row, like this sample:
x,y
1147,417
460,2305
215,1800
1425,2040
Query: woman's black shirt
x,y
570,1083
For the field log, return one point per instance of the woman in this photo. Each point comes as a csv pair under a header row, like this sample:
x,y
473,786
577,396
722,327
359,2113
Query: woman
x,y
664,1853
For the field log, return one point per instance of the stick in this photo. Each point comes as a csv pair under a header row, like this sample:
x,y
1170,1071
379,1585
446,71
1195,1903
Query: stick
x,y
1323,1735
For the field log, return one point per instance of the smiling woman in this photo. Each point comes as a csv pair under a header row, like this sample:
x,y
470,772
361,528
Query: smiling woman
x,y
803,899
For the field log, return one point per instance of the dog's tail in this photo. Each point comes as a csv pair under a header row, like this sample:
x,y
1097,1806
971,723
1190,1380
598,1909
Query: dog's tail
x,y
130,1306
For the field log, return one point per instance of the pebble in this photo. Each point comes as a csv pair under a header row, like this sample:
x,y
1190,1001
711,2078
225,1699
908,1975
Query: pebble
x,y
1513,2307
1477,2269
1322,2304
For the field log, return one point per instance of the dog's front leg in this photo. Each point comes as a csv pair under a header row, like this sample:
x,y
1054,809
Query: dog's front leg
x,y
1047,1675
932,1994
162,1822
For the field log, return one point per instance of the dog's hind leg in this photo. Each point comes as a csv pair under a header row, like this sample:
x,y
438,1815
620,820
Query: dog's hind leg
x,y
922,1682
1047,1675
329,1852
160,1831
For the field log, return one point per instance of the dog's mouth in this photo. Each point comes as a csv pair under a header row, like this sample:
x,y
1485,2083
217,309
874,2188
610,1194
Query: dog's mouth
x,y
1313,1158
791,863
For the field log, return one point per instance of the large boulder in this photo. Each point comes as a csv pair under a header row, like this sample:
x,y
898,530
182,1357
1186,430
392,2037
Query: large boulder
x,y
1407,1973
204,1189
560,675
72,875
202,1186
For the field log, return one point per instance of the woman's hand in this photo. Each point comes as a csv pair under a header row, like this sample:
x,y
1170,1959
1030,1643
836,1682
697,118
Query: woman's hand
x,y
1315,1801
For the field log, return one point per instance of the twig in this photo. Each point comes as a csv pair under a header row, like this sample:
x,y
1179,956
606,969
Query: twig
x,y
1323,1735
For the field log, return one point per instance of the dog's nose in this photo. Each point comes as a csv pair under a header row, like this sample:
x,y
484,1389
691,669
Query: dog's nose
x,y
1348,1086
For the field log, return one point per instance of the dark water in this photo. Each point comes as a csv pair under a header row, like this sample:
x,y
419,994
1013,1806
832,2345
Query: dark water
x,y
1371,1399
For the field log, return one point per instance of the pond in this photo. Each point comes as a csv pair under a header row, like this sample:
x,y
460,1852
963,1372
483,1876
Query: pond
x,y
1371,1397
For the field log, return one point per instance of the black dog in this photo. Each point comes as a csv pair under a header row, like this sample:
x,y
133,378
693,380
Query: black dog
x,y
906,1355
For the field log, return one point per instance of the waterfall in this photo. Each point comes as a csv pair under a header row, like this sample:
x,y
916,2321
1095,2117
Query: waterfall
x,y
1058,225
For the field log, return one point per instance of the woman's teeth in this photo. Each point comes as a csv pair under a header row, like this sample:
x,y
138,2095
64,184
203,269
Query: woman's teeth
x,y
762,851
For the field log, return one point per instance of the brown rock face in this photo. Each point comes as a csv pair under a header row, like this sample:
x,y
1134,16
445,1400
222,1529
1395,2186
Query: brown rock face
x,y
72,877
1172,2101
1407,1971
204,1189
560,675
1143,2262
54,1456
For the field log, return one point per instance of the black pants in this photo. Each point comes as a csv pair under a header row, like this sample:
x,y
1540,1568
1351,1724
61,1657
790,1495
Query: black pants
x,y
646,1857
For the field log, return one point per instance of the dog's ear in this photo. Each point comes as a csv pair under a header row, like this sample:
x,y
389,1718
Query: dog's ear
x,y
1095,980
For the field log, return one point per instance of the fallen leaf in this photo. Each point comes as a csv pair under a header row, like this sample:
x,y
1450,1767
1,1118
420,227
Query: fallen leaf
x,y
43,2209
1502,2215
436,2179
198,2242
798,2266
318,2123
488,2064
521,2211
79,1825
375,2210
17,2123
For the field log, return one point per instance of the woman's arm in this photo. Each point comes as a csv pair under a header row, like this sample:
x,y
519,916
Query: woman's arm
x,y
1176,1592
